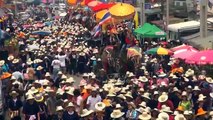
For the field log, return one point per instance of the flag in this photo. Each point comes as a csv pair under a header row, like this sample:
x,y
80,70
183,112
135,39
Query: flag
x,y
105,18
96,30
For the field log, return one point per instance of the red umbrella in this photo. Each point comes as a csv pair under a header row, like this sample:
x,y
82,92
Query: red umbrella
x,y
94,3
201,58
184,46
102,6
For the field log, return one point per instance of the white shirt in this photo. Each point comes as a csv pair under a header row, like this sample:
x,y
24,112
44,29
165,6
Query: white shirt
x,y
91,101
62,59
56,64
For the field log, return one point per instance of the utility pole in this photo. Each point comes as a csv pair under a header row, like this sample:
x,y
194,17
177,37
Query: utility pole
x,y
167,19
203,18
143,16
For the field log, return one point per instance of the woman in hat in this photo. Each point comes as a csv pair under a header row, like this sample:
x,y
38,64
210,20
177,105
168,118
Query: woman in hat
x,y
185,103
15,105
31,109
117,115
42,106
59,110
131,113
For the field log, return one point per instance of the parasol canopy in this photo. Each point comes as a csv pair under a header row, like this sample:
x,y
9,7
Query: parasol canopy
x,y
100,14
184,53
159,51
183,46
72,2
122,11
132,52
94,3
102,6
201,58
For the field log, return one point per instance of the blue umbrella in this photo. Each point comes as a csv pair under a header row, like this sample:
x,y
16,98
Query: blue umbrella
x,y
48,23
43,33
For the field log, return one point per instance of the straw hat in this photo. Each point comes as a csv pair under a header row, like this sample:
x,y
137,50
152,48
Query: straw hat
x,y
165,109
15,61
128,94
131,74
162,74
86,112
60,73
119,82
14,93
202,96
143,104
211,94
196,88
116,114
48,89
146,95
163,98
63,77
39,68
209,80
10,58
47,74
13,78
180,117
200,111
184,93
163,116
60,91
100,106
71,90
70,80
118,106
59,108
186,112
145,116
33,90
121,96
39,98
30,97
70,104
2,62
143,79
189,73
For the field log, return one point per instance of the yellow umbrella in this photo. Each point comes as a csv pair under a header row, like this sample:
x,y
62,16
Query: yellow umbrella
x,y
100,14
122,11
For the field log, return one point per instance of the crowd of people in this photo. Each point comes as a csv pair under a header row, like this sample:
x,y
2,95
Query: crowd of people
x,y
43,84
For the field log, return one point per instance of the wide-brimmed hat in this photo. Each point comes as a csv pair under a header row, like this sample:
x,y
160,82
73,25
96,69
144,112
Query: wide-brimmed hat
x,y
186,112
143,79
60,73
146,95
48,89
13,78
128,94
200,111
70,104
196,88
93,58
14,93
33,90
143,104
145,116
59,108
15,61
116,114
162,74
131,74
165,109
184,93
100,106
47,74
10,58
119,82
86,112
211,94
30,97
163,98
163,116
39,98
121,96
209,80
189,73
180,117
2,62
70,80
39,68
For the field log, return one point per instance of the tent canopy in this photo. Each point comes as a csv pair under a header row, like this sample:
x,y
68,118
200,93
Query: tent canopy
x,y
149,31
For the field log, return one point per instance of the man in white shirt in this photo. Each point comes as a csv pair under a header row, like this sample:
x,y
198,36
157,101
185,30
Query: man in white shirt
x,y
56,63
93,99
62,58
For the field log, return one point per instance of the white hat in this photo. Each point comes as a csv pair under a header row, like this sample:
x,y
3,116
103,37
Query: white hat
x,y
13,78
116,114
145,116
63,77
119,82
47,74
186,112
10,58
163,116
143,79
202,96
16,82
30,97
59,108
163,98
184,93
2,62
60,73
70,80
71,90
129,94
60,91
196,88
209,80
156,93
143,104
33,90
93,58
39,68
175,89
165,109
180,117
121,96
100,106
118,106
70,104
211,94
162,74
131,74
146,95
86,112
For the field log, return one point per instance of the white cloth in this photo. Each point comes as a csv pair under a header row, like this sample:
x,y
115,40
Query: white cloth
x,y
56,64
62,59
91,101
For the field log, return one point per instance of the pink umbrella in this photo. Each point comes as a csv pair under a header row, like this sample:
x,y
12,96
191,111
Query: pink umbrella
x,y
47,1
184,46
201,58
184,53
